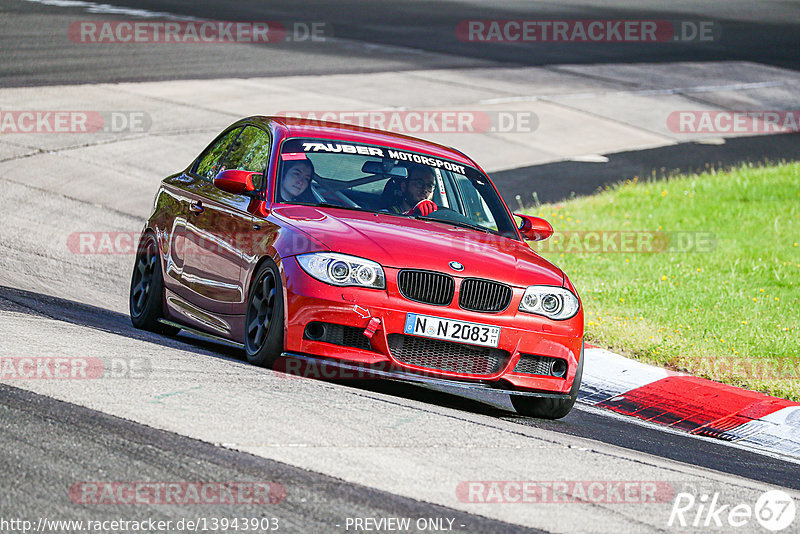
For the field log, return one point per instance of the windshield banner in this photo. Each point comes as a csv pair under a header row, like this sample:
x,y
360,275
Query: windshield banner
x,y
380,152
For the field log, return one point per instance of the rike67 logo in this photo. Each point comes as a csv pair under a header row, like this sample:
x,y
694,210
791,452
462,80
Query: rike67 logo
x,y
774,510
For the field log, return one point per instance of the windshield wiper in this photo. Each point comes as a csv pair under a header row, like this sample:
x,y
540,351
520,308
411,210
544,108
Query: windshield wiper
x,y
332,205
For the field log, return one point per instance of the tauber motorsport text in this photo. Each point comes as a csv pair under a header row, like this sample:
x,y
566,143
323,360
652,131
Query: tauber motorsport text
x,y
382,153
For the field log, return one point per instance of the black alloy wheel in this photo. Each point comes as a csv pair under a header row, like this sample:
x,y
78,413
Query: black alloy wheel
x,y
147,289
264,320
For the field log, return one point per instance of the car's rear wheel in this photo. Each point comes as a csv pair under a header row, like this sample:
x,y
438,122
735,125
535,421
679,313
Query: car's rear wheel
x,y
147,289
545,408
264,319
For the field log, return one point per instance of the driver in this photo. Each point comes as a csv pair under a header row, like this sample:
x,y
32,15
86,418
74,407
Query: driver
x,y
294,186
416,192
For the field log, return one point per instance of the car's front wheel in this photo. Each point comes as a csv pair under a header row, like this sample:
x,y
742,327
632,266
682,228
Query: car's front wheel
x,y
264,320
544,408
147,289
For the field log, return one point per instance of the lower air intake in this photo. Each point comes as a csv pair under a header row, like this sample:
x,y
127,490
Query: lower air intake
x,y
532,364
446,355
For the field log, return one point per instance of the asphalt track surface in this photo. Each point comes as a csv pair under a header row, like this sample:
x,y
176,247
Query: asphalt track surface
x,y
48,444
36,49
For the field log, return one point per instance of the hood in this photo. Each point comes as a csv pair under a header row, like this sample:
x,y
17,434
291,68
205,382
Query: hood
x,y
400,242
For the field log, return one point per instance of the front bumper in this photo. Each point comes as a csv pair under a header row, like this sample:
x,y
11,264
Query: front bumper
x,y
330,369
309,300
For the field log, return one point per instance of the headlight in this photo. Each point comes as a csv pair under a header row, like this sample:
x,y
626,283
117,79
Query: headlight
x,y
343,270
553,302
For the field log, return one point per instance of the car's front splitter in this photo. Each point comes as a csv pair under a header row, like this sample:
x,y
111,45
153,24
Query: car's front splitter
x,y
326,369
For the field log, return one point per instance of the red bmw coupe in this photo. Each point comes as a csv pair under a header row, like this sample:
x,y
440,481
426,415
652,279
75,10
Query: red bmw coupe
x,y
365,250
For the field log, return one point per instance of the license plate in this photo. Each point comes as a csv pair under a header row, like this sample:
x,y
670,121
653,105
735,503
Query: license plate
x,y
451,330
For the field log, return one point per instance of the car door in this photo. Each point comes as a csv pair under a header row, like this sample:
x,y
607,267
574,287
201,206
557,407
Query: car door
x,y
186,188
218,224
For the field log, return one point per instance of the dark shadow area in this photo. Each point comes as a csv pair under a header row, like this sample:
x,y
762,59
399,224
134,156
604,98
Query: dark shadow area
x,y
428,396
78,313
554,182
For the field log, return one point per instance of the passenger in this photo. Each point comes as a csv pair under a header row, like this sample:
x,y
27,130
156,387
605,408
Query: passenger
x,y
415,192
294,186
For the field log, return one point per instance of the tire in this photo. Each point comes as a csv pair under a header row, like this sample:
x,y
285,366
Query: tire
x,y
147,289
544,408
264,321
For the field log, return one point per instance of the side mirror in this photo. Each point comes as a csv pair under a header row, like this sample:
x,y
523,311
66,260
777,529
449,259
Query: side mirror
x,y
236,181
534,228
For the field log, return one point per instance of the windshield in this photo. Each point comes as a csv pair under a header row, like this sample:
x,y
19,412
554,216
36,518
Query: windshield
x,y
382,179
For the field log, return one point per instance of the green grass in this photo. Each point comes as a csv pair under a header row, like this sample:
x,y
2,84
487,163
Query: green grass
x,y
728,311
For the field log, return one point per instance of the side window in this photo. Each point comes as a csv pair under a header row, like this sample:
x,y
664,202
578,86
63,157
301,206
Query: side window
x,y
249,152
209,164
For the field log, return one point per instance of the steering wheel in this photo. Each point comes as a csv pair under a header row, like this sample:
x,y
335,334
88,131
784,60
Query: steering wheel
x,y
338,194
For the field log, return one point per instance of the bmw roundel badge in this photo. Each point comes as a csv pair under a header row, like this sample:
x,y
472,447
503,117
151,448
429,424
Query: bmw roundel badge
x,y
456,266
